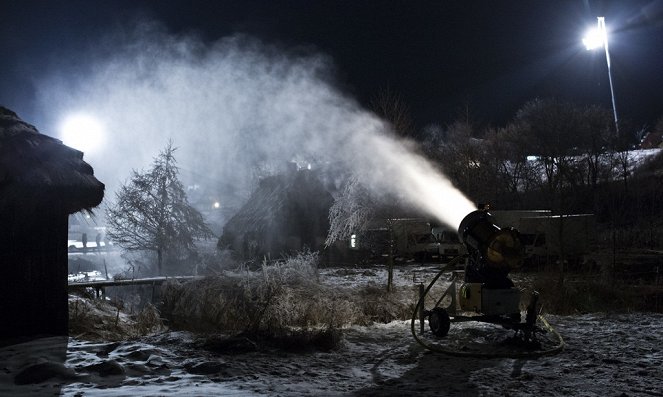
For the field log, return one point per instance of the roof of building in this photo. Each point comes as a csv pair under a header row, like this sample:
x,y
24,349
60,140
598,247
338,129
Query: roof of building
x,y
40,171
279,197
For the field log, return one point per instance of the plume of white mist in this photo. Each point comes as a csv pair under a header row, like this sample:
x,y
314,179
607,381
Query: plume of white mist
x,y
398,170
230,107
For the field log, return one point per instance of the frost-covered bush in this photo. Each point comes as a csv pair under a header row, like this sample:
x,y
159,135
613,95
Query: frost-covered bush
x,y
378,305
282,294
97,319
299,269
282,303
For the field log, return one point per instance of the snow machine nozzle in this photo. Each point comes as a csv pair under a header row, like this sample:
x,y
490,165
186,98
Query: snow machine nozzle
x,y
499,248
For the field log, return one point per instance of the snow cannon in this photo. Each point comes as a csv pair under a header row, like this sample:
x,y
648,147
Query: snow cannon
x,y
493,251
482,291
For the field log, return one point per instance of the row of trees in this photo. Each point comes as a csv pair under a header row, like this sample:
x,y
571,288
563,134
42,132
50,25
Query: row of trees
x,y
550,147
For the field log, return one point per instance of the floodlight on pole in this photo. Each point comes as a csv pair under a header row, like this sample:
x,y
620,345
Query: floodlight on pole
x,y
596,38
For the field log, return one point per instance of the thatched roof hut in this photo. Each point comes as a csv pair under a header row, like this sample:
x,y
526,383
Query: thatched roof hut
x,y
31,162
286,213
42,181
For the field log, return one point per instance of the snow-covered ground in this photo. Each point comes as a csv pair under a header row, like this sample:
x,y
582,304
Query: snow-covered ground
x,y
638,157
79,277
605,355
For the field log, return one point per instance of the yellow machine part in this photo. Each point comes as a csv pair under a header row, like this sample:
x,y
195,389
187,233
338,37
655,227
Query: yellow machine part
x,y
469,297
505,250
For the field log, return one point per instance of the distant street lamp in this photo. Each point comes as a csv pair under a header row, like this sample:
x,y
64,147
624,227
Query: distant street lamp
x,y
597,38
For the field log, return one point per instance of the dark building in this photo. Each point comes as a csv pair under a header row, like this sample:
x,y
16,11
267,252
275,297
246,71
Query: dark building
x,y
286,213
42,181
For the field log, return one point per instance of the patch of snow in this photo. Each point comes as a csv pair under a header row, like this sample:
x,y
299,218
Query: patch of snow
x,y
93,275
605,353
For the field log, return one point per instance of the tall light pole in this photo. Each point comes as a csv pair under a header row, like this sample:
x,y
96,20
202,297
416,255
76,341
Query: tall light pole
x,y
599,38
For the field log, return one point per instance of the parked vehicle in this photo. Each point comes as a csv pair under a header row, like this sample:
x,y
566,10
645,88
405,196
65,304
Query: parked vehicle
x,y
410,238
449,244
548,237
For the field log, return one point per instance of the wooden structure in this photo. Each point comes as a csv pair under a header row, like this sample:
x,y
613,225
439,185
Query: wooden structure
x,y
100,285
286,213
42,181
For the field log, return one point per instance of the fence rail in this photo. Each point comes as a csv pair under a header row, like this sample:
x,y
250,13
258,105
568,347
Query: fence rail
x,y
100,285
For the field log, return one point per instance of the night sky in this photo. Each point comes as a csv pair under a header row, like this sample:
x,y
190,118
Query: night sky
x,y
442,57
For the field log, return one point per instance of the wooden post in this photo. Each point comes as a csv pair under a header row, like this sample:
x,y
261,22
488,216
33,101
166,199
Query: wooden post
x,y
421,308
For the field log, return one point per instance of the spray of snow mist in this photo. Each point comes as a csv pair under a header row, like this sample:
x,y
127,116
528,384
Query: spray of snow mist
x,y
398,170
230,107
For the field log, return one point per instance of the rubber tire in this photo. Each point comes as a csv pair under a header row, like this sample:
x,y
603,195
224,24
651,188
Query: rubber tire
x,y
439,322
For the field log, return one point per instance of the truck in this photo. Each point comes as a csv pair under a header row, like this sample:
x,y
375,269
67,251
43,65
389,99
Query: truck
x,y
449,243
550,237
547,237
412,238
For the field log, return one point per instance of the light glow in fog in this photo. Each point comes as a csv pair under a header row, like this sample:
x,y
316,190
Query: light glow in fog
x,y
82,132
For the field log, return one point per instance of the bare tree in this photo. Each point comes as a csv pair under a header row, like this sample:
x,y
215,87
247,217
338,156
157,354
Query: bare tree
x,y
561,134
350,212
510,150
391,107
356,206
355,209
151,212
462,157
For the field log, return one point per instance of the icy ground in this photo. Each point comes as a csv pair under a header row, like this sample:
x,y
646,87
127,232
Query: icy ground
x,y
605,355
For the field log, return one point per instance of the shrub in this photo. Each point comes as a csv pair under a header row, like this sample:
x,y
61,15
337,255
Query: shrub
x,y
282,304
96,319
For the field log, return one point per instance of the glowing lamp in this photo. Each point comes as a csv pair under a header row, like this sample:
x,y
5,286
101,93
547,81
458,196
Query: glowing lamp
x,y
598,38
593,39
82,132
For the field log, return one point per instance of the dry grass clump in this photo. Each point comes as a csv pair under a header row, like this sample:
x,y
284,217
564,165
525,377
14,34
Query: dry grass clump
x,y
282,305
95,319
378,305
279,296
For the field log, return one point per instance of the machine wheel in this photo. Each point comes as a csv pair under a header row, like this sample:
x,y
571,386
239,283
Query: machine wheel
x,y
439,322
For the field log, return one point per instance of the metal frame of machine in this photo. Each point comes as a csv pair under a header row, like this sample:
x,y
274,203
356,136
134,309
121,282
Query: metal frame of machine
x,y
482,291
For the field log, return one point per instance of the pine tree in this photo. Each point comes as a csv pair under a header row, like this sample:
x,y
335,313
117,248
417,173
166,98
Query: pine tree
x,y
151,212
